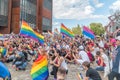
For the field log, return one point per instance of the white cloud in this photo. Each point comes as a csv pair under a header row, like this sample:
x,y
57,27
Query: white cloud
x,y
115,5
73,9
55,23
98,4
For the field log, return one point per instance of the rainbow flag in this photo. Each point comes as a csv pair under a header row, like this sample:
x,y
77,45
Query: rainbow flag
x,y
40,37
87,32
39,69
66,31
27,31
3,51
80,77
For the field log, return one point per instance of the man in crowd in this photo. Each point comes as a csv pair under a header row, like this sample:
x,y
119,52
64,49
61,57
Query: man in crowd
x,y
116,62
61,74
91,74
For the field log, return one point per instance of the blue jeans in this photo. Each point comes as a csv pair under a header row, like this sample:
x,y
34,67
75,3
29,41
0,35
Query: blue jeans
x,y
17,63
113,75
23,66
100,68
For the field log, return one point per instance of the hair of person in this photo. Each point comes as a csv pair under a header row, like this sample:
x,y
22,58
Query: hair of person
x,y
86,64
98,53
61,71
102,49
97,44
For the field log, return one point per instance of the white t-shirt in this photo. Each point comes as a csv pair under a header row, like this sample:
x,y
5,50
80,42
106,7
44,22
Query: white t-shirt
x,y
107,67
84,56
94,51
101,44
67,47
106,60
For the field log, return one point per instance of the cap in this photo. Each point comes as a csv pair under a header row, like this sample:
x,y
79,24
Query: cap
x,y
81,47
118,38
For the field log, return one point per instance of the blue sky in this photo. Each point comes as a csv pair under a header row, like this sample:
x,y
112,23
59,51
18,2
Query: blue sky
x,y
82,12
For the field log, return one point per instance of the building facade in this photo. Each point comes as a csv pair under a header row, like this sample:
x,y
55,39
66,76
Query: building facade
x,y
37,13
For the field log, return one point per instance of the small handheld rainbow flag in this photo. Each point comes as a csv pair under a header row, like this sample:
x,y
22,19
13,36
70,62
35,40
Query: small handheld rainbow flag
x,y
39,69
3,51
80,77
27,31
66,31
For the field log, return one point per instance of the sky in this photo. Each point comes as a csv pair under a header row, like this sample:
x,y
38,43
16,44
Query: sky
x,y
82,12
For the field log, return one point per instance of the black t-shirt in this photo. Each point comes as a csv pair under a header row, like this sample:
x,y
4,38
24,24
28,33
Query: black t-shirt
x,y
93,74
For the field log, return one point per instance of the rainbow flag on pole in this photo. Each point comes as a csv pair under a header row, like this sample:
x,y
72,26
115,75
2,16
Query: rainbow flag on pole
x,y
27,31
39,69
3,51
66,31
87,32
40,37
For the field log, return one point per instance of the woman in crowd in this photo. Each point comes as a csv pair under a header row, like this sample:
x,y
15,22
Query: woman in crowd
x,y
100,62
58,62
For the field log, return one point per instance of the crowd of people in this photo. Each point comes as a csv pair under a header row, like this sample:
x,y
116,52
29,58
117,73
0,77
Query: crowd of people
x,y
102,52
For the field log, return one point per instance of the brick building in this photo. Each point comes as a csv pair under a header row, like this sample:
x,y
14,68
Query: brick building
x,y
37,13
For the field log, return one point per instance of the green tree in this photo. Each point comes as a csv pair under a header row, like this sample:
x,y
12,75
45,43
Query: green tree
x,y
97,28
77,30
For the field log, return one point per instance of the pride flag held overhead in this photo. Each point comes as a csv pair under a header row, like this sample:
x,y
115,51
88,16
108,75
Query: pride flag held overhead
x,y
39,69
40,37
66,31
87,32
27,31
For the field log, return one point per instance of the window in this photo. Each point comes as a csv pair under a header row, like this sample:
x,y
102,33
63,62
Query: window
x,y
46,24
46,21
28,11
4,12
48,4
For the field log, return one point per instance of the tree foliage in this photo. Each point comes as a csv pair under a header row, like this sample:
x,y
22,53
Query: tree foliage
x,y
97,28
77,30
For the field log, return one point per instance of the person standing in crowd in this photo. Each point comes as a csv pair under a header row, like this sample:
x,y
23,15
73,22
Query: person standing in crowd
x,y
91,74
115,72
106,62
